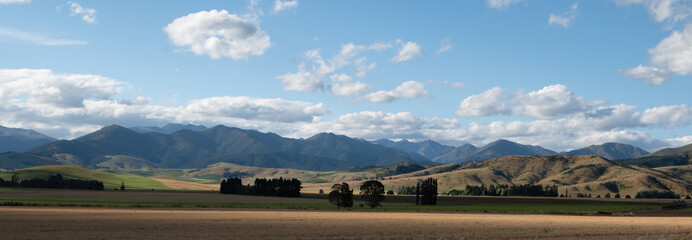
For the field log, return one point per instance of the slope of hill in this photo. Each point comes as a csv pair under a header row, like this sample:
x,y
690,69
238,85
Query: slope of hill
x,y
197,149
494,149
664,157
17,139
169,128
572,174
428,148
455,155
110,181
611,151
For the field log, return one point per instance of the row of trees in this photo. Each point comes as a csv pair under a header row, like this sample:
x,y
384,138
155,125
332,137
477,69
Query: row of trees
x,y
372,192
507,190
53,181
279,187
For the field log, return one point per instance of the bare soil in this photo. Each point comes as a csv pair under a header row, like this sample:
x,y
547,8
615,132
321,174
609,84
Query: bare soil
x,y
175,184
134,223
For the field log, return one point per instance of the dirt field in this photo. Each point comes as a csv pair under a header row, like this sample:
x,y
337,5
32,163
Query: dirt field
x,y
132,223
186,185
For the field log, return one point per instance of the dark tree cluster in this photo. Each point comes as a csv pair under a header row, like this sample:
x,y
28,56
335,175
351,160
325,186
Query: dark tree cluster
x,y
656,194
341,195
426,192
279,187
372,192
506,190
53,181
407,190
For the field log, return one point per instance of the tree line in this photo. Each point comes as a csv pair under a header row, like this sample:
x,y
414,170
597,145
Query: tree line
x,y
372,192
507,190
53,181
278,187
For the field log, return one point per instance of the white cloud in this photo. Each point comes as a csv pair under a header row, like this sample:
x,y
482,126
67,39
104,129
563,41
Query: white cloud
x,y
14,1
408,51
302,81
651,75
408,89
446,46
343,85
219,34
379,46
44,87
673,55
362,68
549,102
283,5
487,103
306,80
668,116
565,19
501,4
37,39
88,14
663,10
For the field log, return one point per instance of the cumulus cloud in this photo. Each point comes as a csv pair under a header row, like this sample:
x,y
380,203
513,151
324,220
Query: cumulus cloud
x,y
446,46
302,81
44,87
662,10
66,105
219,34
311,79
668,116
564,19
408,89
408,51
487,103
549,102
501,4
37,39
673,55
343,85
88,14
14,1
283,5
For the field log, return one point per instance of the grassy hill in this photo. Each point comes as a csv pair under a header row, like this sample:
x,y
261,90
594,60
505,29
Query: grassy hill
x,y
110,181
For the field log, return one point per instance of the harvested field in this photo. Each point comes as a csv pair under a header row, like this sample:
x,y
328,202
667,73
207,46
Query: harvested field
x,y
133,223
175,184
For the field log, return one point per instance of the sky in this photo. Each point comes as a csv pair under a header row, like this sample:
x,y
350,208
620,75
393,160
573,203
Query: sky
x,y
560,74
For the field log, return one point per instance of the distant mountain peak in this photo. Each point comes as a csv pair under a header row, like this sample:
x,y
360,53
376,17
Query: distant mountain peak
x,y
610,150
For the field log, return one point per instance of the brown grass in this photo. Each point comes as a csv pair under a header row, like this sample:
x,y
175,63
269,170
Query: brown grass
x,y
175,184
105,223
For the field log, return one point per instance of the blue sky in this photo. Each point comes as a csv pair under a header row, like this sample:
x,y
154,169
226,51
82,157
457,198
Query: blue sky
x,y
560,74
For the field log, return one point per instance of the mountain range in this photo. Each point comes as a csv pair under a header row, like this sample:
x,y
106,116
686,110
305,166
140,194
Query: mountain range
x,y
17,139
169,128
115,146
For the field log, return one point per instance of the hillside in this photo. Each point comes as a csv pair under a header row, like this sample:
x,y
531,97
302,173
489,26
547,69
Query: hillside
x,y
428,148
110,181
169,128
197,149
572,174
494,149
665,157
610,151
455,155
17,139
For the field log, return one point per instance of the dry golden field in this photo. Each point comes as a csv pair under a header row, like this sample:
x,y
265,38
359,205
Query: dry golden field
x,y
134,223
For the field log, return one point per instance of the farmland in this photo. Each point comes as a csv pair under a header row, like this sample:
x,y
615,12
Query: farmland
x,y
137,223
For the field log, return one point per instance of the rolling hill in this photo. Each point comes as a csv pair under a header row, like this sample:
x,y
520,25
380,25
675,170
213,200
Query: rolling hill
x,y
17,139
197,149
610,151
110,181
